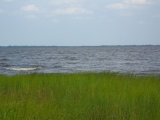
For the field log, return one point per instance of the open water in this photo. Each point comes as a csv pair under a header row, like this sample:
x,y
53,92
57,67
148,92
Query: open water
x,y
123,59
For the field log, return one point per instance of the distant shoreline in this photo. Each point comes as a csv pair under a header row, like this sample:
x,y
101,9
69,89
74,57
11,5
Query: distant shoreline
x,y
78,46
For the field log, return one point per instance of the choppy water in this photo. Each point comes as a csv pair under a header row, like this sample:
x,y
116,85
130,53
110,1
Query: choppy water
x,y
130,59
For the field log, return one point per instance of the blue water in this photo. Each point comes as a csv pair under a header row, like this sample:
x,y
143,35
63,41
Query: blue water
x,y
123,59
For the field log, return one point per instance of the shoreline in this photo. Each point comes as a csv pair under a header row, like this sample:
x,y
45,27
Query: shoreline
x,y
86,72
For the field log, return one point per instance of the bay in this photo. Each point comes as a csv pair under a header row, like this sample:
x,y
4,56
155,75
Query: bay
x,y
53,59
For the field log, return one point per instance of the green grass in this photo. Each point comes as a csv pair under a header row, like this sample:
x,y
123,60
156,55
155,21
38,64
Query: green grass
x,y
79,96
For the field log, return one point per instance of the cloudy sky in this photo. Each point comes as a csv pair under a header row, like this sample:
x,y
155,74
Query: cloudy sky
x,y
79,22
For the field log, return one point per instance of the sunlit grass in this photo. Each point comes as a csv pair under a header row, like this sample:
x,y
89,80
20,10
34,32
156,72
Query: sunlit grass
x,y
80,96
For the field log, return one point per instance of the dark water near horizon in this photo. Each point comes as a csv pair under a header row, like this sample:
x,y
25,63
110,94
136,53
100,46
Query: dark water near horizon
x,y
124,59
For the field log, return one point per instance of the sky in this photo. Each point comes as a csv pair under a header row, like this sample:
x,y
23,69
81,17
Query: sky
x,y
79,22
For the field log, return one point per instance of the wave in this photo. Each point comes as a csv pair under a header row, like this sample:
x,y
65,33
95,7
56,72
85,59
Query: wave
x,y
4,65
22,69
4,59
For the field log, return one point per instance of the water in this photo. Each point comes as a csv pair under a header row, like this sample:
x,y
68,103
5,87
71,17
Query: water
x,y
123,59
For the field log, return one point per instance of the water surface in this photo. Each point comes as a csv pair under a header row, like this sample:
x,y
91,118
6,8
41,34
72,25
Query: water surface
x,y
123,59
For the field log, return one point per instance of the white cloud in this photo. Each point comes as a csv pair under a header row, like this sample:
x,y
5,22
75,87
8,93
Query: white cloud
x,y
65,2
30,8
71,10
55,20
8,0
136,2
1,10
117,6
79,18
156,16
126,4
62,2
31,17
69,7
141,22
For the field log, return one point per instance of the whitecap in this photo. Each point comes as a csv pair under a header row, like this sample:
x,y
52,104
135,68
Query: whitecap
x,y
21,69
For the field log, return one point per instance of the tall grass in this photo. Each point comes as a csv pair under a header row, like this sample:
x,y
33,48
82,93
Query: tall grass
x,y
79,96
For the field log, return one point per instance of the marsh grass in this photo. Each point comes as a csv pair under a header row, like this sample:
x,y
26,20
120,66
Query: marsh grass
x,y
79,96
